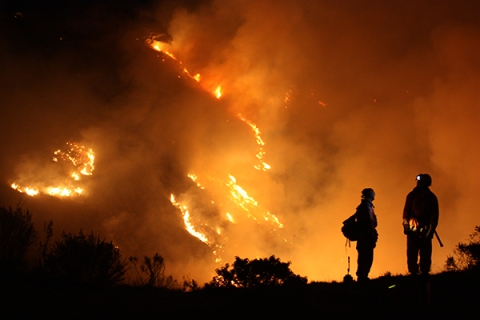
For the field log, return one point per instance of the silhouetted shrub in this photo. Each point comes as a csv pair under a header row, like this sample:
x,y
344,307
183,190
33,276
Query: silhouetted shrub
x,y
152,273
266,272
466,255
85,259
17,234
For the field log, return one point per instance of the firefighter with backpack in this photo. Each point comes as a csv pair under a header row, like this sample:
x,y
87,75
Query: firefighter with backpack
x,y
368,236
420,219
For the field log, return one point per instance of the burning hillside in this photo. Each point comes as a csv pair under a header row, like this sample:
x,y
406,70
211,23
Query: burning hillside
x,y
204,130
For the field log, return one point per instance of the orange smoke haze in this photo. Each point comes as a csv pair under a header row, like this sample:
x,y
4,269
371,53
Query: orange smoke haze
x,y
256,125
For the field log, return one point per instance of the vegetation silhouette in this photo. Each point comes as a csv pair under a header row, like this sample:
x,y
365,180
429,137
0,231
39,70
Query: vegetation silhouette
x,y
152,273
245,273
84,259
466,256
17,235
84,276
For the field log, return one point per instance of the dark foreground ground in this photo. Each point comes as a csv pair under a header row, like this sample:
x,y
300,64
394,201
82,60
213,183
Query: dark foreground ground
x,y
442,296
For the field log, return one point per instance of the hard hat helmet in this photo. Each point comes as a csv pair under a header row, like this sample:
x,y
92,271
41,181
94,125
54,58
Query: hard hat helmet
x,y
368,193
424,179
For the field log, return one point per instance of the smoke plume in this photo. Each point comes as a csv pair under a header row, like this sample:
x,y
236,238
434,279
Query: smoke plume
x,y
344,97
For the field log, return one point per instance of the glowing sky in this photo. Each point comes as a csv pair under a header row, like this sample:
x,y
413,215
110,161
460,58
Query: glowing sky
x,y
346,96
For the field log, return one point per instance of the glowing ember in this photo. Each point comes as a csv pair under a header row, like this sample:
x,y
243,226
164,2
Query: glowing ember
x,y
81,157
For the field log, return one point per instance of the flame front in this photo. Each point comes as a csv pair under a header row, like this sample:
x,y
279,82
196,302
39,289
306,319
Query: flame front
x,y
263,165
243,203
188,223
79,157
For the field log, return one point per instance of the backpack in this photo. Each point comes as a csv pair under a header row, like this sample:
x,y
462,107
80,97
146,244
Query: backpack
x,y
350,228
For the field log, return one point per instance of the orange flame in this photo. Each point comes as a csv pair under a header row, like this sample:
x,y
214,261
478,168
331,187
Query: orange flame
x,y
218,92
80,157
263,165
187,221
249,204
234,193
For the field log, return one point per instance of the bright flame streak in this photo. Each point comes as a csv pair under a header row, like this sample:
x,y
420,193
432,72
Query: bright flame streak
x,y
229,217
240,193
186,220
263,165
63,191
218,92
31,192
245,201
160,47
88,166
194,179
255,130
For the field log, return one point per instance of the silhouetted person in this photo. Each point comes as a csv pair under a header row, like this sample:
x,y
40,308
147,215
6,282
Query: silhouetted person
x,y
367,223
420,219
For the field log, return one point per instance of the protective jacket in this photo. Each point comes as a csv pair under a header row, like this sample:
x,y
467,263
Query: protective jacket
x,y
367,222
421,210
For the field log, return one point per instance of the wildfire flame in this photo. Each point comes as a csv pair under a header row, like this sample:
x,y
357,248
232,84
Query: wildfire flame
x,y
249,204
218,92
187,220
234,193
163,47
81,158
263,165
214,236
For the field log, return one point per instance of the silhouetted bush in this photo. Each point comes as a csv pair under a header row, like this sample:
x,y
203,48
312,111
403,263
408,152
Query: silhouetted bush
x,y
152,273
266,272
17,234
85,259
466,255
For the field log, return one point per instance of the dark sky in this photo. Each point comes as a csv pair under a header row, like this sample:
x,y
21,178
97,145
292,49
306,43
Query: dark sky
x,y
345,95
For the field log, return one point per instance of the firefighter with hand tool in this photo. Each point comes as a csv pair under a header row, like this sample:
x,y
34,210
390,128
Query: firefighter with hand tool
x,y
420,219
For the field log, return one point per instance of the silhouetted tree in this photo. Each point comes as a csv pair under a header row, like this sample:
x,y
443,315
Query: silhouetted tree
x,y
85,259
17,234
153,272
466,255
264,272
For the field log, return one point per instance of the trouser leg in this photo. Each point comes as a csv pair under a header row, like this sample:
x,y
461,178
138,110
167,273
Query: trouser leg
x,y
364,261
412,254
425,256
